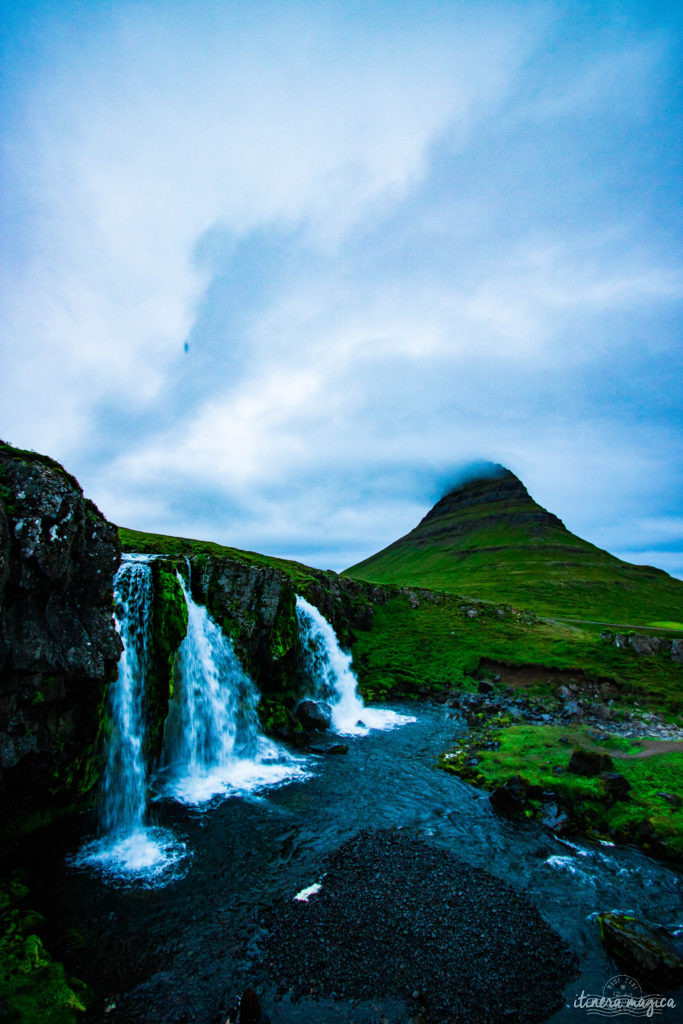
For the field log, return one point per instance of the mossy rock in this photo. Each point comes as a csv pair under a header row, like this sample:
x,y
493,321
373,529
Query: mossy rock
x,y
646,949
33,987
169,627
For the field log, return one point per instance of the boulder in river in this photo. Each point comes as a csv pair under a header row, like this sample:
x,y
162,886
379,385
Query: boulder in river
x,y
556,819
332,748
314,715
650,951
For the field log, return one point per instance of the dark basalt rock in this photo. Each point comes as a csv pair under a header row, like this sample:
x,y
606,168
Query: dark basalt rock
x,y
650,951
315,716
332,748
617,786
589,762
556,819
512,798
672,798
58,644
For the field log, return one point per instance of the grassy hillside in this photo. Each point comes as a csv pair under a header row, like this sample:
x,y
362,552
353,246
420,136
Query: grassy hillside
x,y
489,539
163,544
427,641
412,649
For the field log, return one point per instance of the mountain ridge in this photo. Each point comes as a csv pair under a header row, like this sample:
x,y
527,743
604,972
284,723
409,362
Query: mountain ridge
x,y
489,538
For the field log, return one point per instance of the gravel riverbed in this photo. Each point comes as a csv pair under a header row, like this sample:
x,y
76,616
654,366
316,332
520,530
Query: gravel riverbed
x,y
400,918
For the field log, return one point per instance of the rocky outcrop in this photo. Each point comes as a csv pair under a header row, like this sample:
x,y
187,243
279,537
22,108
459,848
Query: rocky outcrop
x,y
255,605
651,951
168,629
589,762
58,644
314,715
645,644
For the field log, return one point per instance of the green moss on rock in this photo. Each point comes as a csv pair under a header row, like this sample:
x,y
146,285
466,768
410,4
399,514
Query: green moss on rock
x,y
33,987
169,626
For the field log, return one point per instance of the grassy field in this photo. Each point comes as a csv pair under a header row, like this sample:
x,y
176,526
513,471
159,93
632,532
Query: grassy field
x,y
437,645
535,751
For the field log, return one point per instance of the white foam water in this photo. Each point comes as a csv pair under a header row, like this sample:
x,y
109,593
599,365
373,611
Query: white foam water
x,y
129,846
213,745
148,856
332,679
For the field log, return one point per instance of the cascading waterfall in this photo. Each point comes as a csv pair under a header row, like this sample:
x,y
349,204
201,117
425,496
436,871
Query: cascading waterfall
x,y
332,679
128,844
212,740
124,789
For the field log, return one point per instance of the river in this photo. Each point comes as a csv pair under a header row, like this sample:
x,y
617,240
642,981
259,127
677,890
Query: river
x,y
175,951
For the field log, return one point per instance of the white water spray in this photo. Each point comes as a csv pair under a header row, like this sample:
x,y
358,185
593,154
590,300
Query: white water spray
x,y
333,680
124,790
212,741
129,845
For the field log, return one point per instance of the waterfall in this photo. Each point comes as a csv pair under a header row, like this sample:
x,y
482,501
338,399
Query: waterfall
x,y
213,743
329,673
128,844
124,790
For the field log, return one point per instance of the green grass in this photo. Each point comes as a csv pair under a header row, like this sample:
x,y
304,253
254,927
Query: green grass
x,y
174,547
556,582
667,625
627,744
436,646
533,751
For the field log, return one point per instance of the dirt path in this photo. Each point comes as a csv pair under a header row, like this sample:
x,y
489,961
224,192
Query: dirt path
x,y
670,631
650,747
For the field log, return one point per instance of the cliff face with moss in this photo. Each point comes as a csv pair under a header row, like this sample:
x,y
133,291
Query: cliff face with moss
x,y
255,606
58,644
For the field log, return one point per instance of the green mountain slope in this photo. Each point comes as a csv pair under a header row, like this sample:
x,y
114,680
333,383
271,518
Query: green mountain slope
x,y
488,538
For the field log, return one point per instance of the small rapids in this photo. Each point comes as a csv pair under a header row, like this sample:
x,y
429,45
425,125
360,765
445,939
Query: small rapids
x,y
332,679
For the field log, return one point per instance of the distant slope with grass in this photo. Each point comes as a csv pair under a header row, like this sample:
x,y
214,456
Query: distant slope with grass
x,y
489,539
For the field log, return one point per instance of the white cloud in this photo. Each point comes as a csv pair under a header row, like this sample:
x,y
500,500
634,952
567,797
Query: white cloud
x,y
450,265
141,131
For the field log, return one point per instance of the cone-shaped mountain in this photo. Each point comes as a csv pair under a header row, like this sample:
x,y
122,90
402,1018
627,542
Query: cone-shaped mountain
x,y
487,538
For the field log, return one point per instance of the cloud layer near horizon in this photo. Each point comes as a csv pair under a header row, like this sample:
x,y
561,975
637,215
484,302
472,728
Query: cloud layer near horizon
x,y
275,271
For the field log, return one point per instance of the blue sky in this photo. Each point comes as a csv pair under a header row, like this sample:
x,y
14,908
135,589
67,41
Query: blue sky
x,y
273,272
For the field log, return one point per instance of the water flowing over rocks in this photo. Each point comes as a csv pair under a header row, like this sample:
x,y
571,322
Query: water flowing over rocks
x,y
400,918
255,605
59,646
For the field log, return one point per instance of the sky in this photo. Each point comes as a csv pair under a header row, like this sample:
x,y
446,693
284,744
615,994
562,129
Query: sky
x,y
273,273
